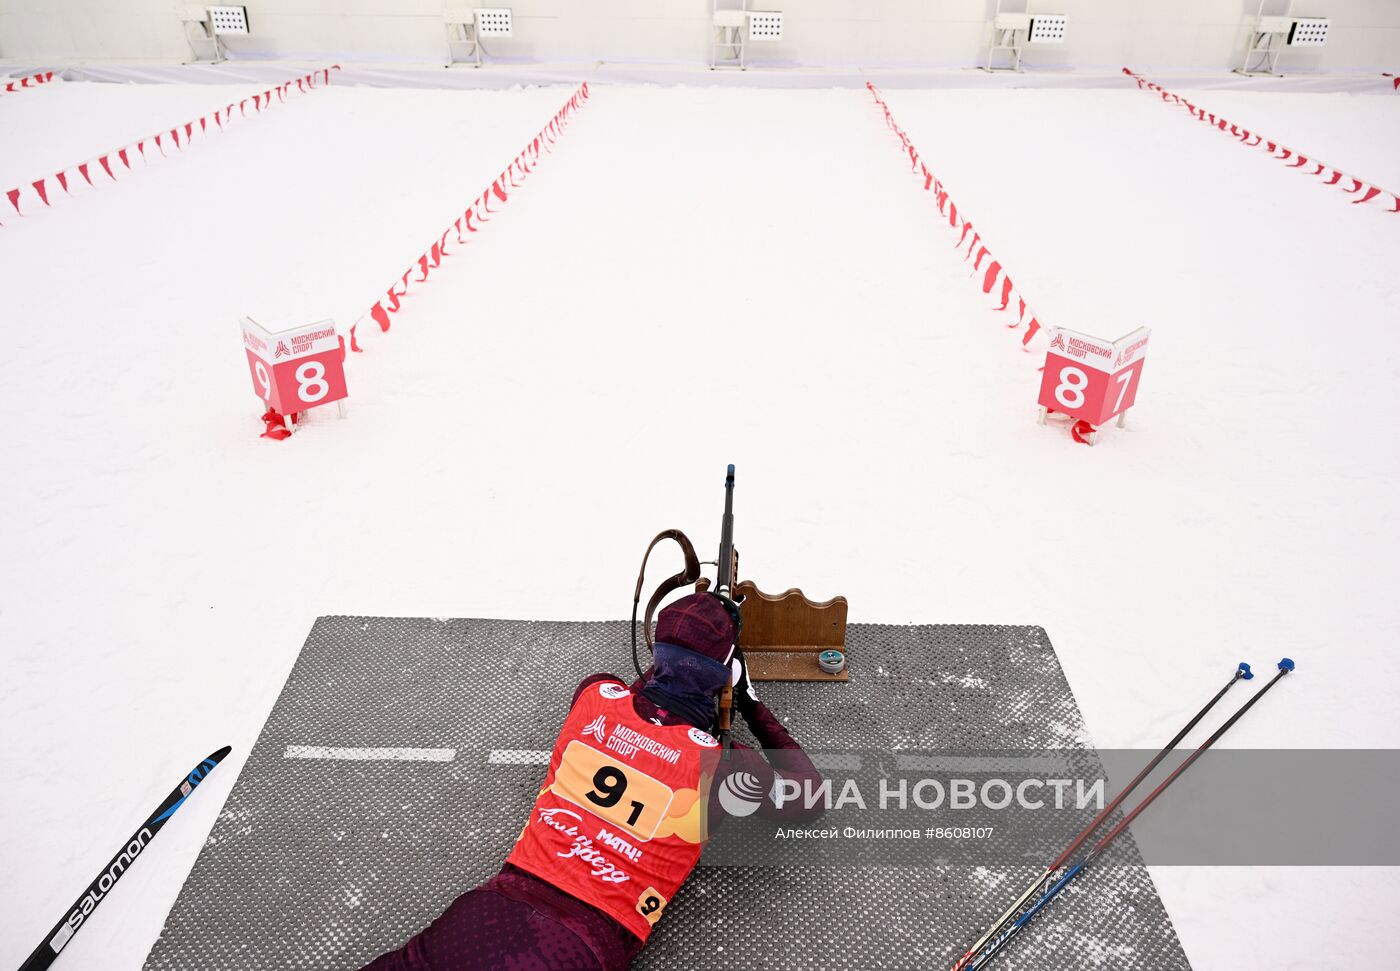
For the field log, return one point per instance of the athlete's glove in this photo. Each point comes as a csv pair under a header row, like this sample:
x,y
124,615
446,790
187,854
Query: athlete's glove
x,y
745,698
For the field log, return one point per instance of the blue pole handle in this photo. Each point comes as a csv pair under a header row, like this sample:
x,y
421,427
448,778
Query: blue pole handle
x,y
1286,664
1245,672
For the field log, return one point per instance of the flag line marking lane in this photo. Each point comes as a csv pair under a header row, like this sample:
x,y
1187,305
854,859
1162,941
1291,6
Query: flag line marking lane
x,y
370,754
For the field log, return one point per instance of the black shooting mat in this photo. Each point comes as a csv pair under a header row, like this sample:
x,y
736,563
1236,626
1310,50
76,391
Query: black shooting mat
x,y
325,864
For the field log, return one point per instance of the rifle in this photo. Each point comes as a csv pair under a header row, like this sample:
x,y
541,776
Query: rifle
x,y
726,578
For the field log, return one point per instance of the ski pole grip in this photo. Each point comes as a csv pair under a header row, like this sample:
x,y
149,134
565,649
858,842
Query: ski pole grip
x,y
1285,664
1245,672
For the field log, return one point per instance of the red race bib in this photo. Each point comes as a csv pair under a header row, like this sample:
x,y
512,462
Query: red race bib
x,y
621,819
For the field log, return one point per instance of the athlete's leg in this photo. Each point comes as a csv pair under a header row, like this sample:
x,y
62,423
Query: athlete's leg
x,y
484,931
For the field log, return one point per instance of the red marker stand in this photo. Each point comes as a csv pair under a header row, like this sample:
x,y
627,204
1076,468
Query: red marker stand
x,y
1091,380
293,371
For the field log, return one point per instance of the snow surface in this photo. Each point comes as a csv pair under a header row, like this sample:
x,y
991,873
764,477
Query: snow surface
x,y
696,276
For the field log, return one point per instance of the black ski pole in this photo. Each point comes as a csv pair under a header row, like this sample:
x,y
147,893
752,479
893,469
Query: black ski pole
x,y
1242,673
1284,666
97,891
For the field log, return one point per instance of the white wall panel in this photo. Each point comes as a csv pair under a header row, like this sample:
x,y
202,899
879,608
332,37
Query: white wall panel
x,y
1202,34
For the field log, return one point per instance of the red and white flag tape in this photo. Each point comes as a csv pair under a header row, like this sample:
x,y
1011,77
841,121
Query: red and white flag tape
x,y
28,82
1360,190
481,208
987,269
1394,81
40,193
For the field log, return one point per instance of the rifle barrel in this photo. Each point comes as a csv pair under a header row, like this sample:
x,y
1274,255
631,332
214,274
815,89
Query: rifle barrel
x,y
723,581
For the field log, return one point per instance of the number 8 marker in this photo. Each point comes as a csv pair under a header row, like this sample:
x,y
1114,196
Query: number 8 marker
x,y
296,369
306,379
1071,393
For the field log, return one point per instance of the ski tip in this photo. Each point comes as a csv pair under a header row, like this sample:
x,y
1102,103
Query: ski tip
x,y
219,755
1286,664
1245,672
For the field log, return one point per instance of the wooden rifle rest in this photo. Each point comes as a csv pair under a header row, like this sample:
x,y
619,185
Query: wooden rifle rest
x,y
784,633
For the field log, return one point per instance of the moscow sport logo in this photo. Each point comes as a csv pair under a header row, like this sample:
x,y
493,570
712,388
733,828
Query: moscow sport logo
x,y
1058,341
282,350
613,691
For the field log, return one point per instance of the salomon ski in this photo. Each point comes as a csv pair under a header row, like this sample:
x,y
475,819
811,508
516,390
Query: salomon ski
x,y
97,891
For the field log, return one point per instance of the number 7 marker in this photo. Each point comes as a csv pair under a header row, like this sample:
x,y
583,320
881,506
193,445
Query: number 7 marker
x,y
1125,380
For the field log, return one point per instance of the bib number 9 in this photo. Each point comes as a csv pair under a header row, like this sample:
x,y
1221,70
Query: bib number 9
x,y
650,905
609,785
620,794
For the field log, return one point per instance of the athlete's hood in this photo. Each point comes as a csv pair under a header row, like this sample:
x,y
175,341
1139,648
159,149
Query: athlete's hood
x,y
685,682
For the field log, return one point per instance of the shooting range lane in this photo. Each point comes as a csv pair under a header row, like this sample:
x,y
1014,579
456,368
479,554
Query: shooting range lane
x,y
62,123
1170,223
1269,391
1353,131
647,274
1236,263
124,359
305,211
326,863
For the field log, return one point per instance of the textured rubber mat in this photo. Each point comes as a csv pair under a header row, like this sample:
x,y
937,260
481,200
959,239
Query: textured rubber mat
x,y
326,854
